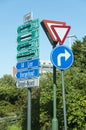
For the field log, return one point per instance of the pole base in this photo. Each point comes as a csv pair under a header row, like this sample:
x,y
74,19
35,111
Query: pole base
x,y
54,124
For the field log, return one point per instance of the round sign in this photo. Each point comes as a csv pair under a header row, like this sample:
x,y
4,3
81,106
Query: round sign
x,y
62,57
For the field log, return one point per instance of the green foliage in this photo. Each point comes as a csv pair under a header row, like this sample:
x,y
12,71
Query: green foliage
x,y
46,97
14,127
7,80
75,109
6,108
79,50
3,125
11,99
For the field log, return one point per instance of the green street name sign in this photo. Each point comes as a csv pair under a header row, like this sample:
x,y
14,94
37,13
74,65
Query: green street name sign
x,y
29,44
33,24
28,35
28,55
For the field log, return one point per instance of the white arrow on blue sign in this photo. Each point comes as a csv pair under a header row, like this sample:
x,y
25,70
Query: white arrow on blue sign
x,y
27,73
28,64
62,57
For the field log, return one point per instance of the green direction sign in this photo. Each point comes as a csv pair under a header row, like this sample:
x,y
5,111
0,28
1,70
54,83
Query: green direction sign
x,y
26,45
28,35
28,55
28,41
28,26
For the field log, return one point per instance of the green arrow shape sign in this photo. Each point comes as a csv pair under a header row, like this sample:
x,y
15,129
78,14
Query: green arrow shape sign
x,y
28,35
28,55
28,26
26,45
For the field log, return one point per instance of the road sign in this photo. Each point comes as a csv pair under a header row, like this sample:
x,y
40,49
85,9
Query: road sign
x,y
28,55
28,64
28,73
60,32
28,17
28,45
27,83
62,57
28,26
28,35
47,26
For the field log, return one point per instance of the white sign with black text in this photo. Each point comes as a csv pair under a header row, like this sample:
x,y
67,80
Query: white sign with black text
x,y
27,83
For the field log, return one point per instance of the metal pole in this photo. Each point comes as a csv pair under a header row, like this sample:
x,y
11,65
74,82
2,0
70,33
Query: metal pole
x,y
28,17
64,102
29,110
54,120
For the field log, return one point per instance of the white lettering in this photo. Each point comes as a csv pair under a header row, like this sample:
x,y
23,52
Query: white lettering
x,y
22,65
31,74
30,64
23,75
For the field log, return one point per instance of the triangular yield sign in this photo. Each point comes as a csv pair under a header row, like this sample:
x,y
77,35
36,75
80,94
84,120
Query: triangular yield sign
x,y
60,32
46,24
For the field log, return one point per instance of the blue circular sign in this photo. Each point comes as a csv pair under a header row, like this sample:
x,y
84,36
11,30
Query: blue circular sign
x,y
62,57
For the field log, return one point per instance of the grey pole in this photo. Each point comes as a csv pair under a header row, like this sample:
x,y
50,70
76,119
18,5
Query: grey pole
x,y
28,17
29,110
64,102
54,120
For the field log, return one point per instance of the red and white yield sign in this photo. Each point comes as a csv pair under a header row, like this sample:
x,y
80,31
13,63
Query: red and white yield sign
x,y
56,31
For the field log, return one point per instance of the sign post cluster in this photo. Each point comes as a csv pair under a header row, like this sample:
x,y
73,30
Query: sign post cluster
x,y
28,54
61,57
28,58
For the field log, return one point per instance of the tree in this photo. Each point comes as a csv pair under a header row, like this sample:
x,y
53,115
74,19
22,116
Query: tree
x,y
12,99
79,50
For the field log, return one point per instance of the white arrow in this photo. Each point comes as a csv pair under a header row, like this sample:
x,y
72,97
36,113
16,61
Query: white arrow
x,y
66,55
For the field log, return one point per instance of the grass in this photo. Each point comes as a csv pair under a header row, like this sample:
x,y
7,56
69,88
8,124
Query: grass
x,y
14,127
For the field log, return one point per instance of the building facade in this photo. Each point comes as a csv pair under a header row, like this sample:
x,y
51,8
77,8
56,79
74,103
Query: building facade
x,y
46,66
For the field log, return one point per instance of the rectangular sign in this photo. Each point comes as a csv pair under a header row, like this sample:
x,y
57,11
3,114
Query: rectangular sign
x,y
27,83
28,26
28,17
28,35
28,45
28,64
28,73
28,55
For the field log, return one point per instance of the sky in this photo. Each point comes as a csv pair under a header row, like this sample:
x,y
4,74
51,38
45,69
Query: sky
x,y
11,17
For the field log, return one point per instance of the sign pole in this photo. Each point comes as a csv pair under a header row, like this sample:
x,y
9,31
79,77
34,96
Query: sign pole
x,y
54,120
64,102
27,18
29,110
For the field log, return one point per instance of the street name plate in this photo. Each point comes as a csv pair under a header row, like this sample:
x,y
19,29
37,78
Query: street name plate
x,y
28,26
32,73
28,55
28,45
27,83
28,35
28,64
28,17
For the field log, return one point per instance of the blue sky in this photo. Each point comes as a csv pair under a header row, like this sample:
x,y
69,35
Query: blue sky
x,y
11,16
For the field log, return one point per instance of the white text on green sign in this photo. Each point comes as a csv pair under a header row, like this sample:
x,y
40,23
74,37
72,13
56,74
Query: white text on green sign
x,y
26,45
28,26
28,35
28,55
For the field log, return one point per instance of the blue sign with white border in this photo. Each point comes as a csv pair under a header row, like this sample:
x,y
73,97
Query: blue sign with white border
x,y
28,64
62,57
28,73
